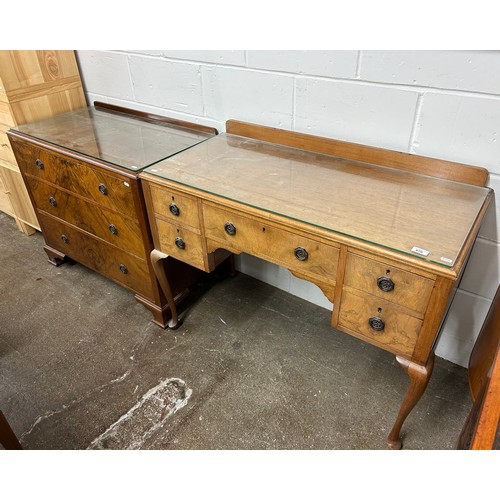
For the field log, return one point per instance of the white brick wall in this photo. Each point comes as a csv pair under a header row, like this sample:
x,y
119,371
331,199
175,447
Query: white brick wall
x,y
444,104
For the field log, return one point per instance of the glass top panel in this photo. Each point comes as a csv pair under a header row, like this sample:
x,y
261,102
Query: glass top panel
x,y
116,138
411,213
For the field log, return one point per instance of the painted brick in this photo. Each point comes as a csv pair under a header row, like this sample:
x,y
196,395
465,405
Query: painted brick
x,y
230,57
105,73
462,70
169,113
251,96
460,128
367,114
329,63
490,228
281,278
461,328
308,291
482,273
167,84
264,271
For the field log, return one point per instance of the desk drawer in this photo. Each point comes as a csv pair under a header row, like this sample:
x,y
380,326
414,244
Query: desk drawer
x,y
181,243
400,330
402,287
120,266
179,209
261,239
110,226
111,191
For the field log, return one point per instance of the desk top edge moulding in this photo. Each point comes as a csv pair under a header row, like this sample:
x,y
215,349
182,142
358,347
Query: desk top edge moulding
x,y
385,235
81,172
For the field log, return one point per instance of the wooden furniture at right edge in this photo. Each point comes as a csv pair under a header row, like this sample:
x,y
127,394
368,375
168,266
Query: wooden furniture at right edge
x,y
481,430
385,235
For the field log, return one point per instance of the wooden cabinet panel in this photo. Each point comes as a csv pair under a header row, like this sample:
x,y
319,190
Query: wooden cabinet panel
x,y
291,250
181,243
34,84
5,204
19,198
178,208
400,329
111,191
6,153
114,228
120,266
409,290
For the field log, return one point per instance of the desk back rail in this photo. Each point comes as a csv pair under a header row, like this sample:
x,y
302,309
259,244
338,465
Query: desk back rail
x,y
442,169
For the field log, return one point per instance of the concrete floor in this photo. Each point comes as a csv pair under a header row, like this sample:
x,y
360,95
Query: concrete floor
x,y
252,367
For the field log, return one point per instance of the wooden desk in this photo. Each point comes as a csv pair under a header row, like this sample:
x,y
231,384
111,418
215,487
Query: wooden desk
x,y
384,235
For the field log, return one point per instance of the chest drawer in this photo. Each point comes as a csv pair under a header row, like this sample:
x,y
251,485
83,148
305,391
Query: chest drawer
x,y
388,282
111,191
106,224
177,208
379,321
181,243
127,270
293,251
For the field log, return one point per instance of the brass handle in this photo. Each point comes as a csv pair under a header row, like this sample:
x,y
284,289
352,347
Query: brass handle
x,y
230,228
385,284
174,209
112,229
179,243
376,323
123,269
65,239
103,189
301,253
39,164
53,201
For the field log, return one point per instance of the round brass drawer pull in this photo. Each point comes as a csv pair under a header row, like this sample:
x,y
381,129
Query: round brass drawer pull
x,y
180,243
301,253
103,189
39,164
53,201
65,239
174,209
123,269
230,228
112,229
385,284
376,323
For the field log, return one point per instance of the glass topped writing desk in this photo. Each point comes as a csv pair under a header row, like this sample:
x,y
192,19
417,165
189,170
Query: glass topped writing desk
x,y
384,235
81,171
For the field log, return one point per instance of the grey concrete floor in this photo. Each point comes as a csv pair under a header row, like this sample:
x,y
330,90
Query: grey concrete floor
x,y
251,367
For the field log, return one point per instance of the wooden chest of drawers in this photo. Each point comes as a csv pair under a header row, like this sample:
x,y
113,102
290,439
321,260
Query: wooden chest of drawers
x,y
90,205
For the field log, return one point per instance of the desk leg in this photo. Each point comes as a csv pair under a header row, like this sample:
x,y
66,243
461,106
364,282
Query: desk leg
x,y
419,378
157,262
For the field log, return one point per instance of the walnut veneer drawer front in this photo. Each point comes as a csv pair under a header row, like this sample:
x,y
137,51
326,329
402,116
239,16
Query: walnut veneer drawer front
x,y
388,282
106,224
285,248
110,261
174,206
181,243
379,320
111,191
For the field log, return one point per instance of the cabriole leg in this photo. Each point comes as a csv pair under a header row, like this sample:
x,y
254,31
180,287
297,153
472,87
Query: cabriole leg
x,y
419,378
157,262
